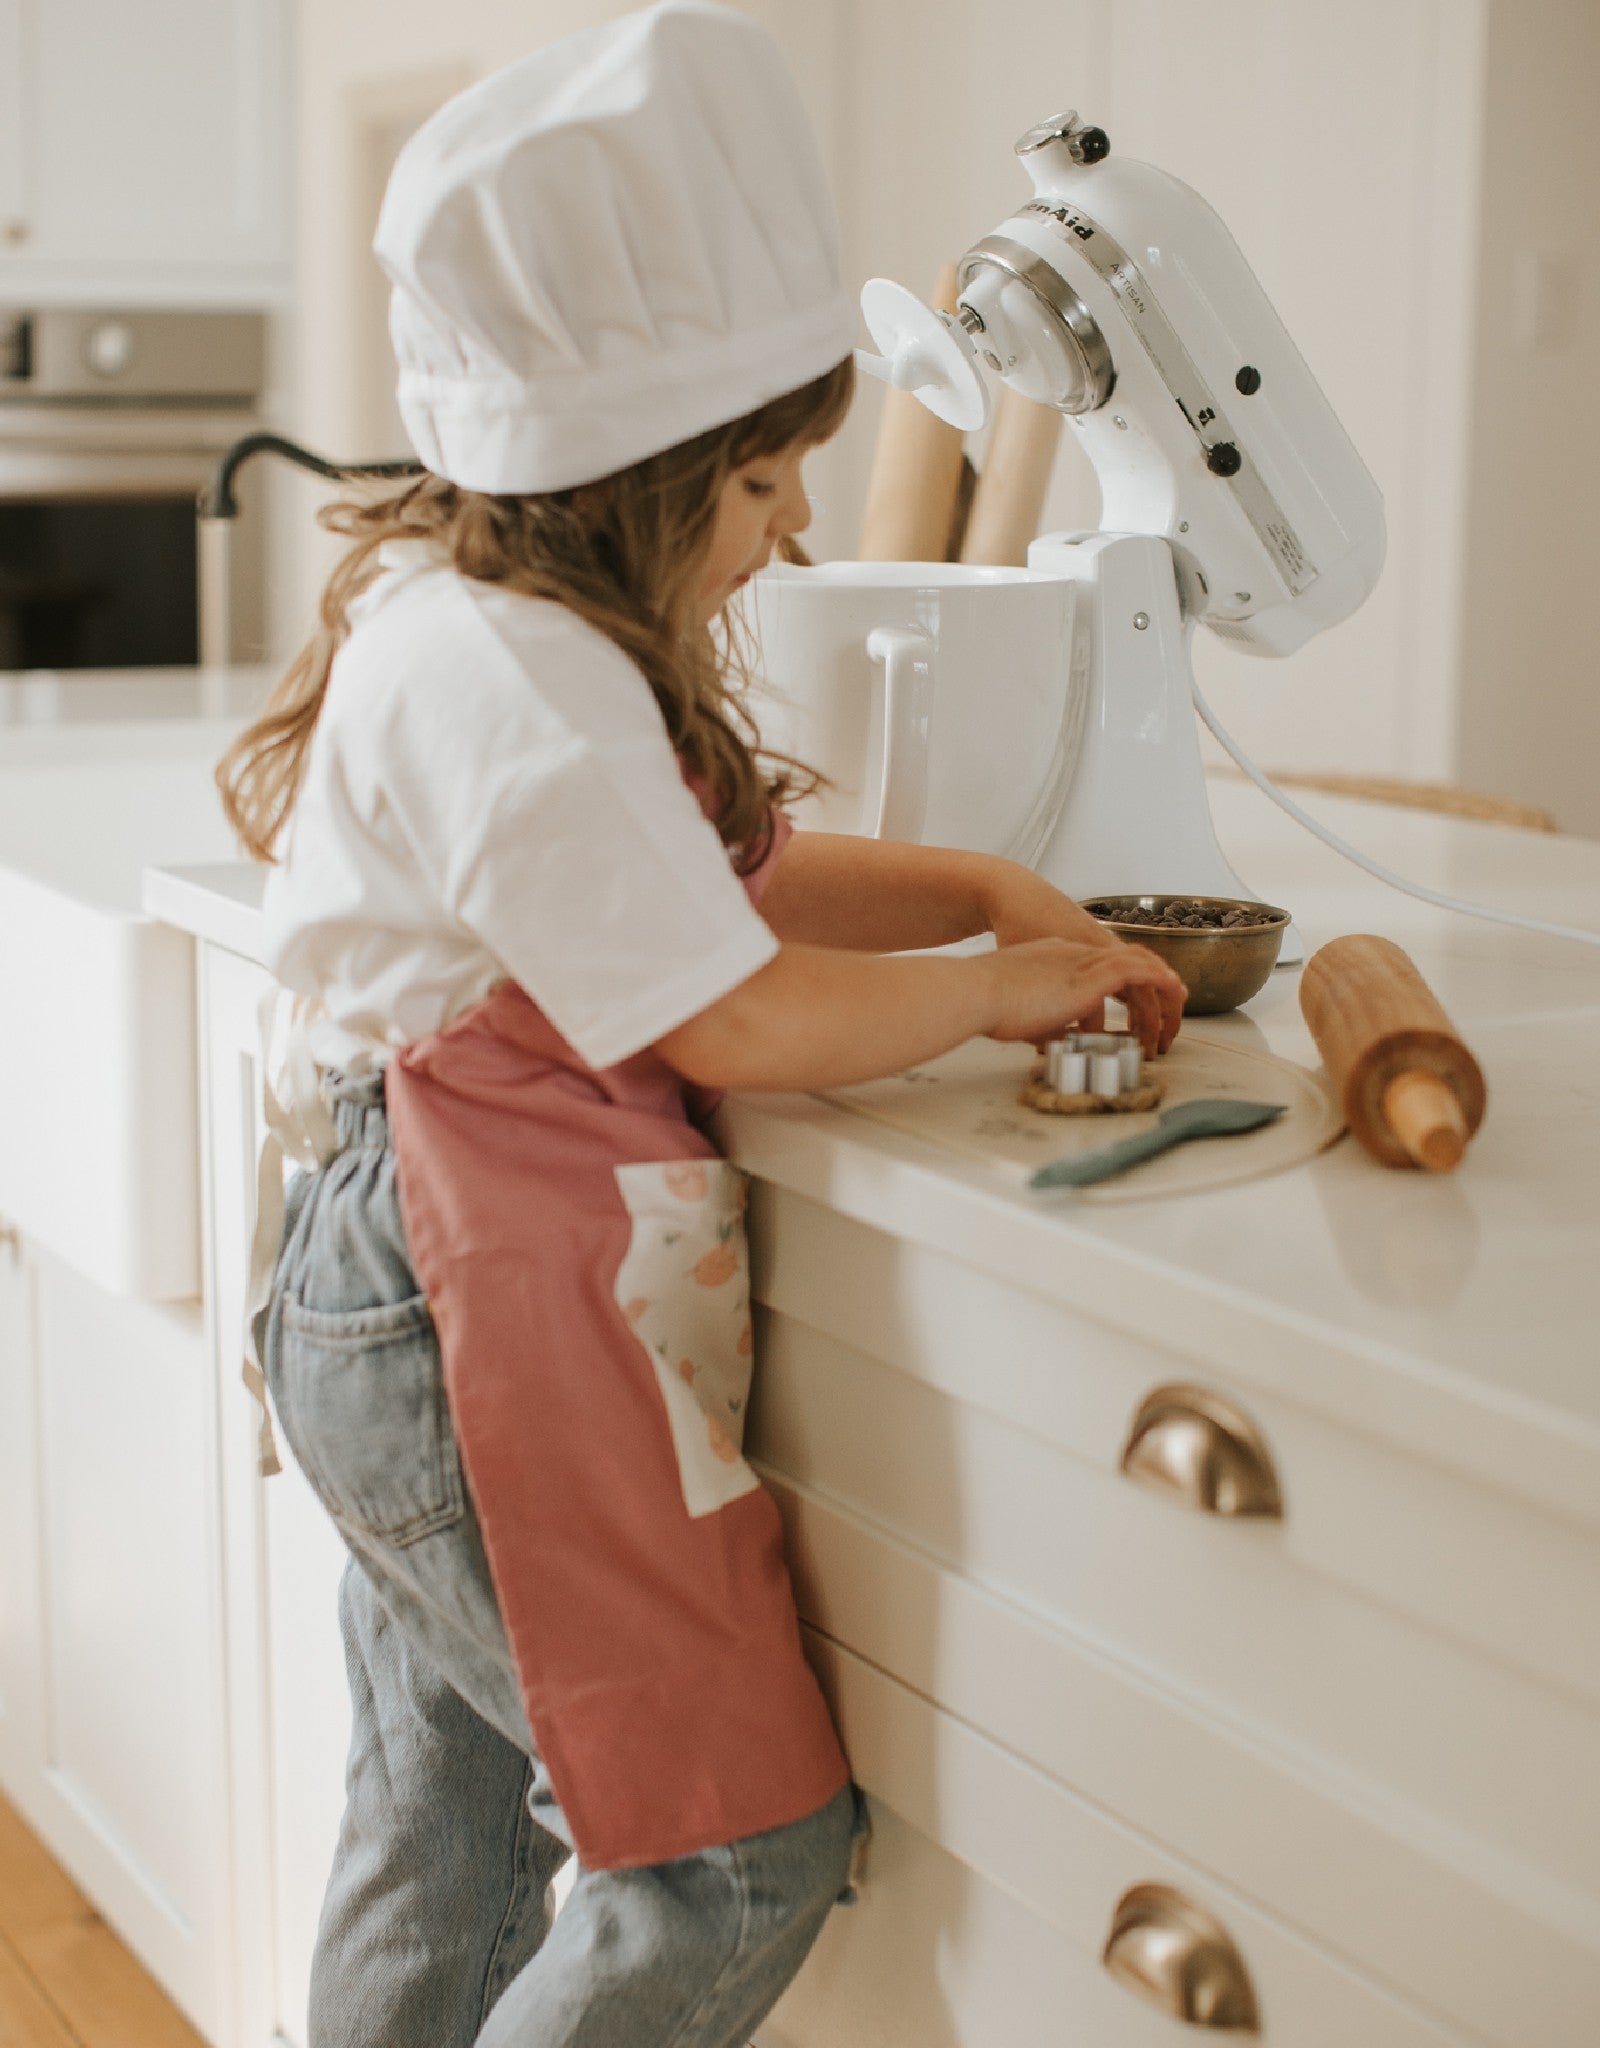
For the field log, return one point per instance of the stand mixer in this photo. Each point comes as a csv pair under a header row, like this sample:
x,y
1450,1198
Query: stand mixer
x,y
1231,495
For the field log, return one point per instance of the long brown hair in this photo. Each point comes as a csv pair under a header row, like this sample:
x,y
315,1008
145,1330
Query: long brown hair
x,y
624,553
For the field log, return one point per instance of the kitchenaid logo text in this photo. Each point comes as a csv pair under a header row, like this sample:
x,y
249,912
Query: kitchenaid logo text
x,y
1083,229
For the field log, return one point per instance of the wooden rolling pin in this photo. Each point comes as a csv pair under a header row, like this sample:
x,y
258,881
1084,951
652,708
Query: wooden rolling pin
x,y
1008,503
1412,1092
914,495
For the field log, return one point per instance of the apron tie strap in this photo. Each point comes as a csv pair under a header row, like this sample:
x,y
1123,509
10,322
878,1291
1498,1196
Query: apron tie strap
x,y
298,1130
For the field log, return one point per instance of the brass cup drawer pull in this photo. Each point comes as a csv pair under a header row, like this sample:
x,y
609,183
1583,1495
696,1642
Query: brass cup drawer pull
x,y
1173,1954
1191,1444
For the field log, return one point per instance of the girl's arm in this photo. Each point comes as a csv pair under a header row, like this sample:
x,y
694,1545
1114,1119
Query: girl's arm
x,y
816,1017
875,895
881,896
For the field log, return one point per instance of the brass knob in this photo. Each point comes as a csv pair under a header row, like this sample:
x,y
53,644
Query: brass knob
x,y
1189,1442
13,233
1174,1955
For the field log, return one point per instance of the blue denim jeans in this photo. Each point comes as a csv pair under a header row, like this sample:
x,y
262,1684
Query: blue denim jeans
x,y
437,1930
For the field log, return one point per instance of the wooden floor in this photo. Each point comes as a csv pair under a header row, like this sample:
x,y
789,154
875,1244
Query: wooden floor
x,y
65,1979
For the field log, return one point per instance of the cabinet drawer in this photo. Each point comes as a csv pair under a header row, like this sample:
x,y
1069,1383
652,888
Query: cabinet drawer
x,y
1006,1420
1476,1566
934,1956
989,1895
1213,1610
1357,1877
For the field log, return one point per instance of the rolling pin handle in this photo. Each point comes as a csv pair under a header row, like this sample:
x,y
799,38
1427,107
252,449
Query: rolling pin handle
x,y
1422,1111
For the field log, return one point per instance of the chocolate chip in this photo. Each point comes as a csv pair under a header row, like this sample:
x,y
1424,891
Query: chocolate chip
x,y
1182,915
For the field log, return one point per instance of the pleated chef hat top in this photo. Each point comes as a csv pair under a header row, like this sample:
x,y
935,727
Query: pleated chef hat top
x,y
608,247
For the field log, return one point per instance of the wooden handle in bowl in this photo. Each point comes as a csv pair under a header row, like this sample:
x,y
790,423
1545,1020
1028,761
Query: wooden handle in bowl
x,y
914,492
1008,500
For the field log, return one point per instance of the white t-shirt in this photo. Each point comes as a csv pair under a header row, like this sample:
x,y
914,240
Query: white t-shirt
x,y
490,791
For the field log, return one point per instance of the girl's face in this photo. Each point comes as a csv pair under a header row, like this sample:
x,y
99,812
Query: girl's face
x,y
761,502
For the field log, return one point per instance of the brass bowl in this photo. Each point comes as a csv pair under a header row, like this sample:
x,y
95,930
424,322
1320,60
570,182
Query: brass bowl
x,y
1220,969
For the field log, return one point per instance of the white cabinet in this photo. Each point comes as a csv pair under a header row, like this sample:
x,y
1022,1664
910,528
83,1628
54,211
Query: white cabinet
x,y
19,1579
173,1710
111,1683
282,1558
1362,1737
142,149
992,1889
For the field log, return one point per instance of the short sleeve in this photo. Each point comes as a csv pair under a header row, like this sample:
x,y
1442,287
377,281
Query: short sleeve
x,y
601,886
545,803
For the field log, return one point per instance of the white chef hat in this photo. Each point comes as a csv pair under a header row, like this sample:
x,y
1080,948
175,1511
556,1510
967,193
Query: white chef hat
x,y
609,247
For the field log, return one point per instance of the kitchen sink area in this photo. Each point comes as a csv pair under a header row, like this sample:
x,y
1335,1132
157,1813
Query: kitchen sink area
x,y
98,1147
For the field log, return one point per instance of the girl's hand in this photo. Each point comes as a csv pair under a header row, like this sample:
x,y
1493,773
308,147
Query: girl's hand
x,y
1023,907
1044,987
835,889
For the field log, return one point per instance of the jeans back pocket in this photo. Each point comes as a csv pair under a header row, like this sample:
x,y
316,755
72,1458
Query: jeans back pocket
x,y
360,1395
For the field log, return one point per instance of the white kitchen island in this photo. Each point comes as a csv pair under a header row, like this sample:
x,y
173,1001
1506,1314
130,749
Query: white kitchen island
x,y
1360,1743
112,1704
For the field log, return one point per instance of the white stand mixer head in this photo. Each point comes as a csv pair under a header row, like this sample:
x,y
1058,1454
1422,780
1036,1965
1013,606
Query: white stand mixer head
x,y
1117,295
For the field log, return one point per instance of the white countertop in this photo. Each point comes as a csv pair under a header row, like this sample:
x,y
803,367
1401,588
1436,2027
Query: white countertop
x,y
219,903
35,698
1457,1317
84,806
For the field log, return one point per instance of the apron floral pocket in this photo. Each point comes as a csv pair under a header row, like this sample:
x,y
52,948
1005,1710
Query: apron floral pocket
x,y
684,1289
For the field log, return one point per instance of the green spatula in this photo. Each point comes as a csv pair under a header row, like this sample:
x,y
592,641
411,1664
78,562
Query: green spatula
x,y
1213,1119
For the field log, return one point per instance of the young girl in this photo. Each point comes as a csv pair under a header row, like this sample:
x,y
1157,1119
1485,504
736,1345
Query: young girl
x,y
521,833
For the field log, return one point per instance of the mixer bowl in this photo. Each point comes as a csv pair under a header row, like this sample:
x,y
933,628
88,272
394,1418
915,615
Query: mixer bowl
x,y
1220,968
940,699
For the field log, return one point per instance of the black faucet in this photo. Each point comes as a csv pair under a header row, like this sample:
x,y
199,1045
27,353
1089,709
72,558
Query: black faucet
x,y
218,502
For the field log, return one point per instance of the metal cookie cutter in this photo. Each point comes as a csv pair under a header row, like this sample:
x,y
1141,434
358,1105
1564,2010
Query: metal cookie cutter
x,y
1090,1072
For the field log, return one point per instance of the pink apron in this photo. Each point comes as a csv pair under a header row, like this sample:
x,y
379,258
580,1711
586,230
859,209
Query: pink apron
x,y
582,1247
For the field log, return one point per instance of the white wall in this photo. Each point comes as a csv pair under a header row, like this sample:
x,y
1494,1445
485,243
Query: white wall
x,y
1341,143
1529,712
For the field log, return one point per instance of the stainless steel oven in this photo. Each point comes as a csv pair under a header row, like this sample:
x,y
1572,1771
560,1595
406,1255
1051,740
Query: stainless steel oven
x,y
111,422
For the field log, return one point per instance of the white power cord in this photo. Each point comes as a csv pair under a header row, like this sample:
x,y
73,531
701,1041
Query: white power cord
x,y
1301,817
